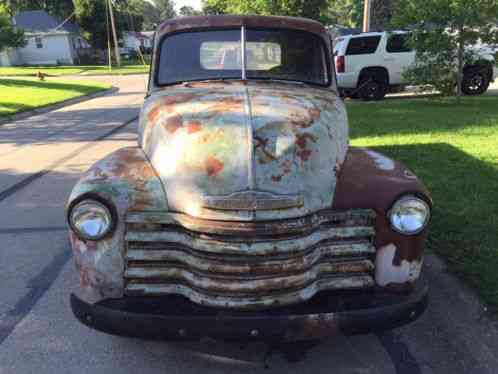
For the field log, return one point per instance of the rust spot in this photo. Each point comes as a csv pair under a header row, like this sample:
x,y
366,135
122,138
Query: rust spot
x,y
91,245
174,123
286,168
212,136
178,98
260,144
193,127
84,277
337,167
214,166
154,113
301,139
225,104
304,154
306,119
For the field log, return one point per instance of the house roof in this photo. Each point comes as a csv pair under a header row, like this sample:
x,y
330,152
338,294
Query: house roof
x,y
41,21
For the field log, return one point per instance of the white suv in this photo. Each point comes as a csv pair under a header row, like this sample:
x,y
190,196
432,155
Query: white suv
x,y
369,65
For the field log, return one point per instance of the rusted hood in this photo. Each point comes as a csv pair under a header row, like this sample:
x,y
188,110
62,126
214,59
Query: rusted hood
x,y
245,151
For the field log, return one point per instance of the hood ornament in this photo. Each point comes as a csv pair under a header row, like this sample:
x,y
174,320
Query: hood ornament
x,y
252,200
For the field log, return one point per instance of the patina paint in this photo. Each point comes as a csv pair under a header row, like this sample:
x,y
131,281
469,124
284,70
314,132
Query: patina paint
x,y
217,139
245,195
127,182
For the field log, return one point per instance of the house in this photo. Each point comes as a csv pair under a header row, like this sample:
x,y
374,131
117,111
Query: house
x,y
135,40
50,41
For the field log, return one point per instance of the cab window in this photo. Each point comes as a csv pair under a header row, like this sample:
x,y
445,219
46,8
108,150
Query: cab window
x,y
398,43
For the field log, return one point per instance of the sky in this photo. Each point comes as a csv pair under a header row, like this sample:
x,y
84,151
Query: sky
x,y
196,4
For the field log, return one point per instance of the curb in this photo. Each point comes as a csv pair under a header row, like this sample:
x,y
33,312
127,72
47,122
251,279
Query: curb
x,y
60,104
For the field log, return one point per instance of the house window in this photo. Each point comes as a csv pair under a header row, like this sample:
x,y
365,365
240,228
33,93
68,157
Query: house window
x,y
38,42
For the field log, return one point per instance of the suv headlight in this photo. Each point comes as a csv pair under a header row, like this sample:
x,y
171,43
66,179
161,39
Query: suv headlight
x,y
409,215
91,220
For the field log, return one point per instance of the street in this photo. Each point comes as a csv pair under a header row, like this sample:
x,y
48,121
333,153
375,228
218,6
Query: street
x,y
41,159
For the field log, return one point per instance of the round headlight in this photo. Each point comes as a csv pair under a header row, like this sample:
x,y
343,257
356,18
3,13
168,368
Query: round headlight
x,y
409,215
90,219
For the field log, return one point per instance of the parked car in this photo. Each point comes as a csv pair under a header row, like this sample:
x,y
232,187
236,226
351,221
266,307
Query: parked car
x,y
372,64
243,212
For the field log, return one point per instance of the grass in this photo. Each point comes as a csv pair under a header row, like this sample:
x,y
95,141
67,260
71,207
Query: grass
x,y
30,71
17,95
454,150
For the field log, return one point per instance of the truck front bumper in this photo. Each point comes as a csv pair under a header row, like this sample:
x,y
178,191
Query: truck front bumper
x,y
174,317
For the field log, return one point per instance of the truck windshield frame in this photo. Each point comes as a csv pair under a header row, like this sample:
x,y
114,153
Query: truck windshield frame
x,y
277,54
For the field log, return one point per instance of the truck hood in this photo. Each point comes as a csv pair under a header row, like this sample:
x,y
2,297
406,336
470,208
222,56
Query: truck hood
x,y
245,151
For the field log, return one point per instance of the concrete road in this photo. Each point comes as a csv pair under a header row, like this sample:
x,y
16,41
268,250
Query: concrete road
x,y
41,158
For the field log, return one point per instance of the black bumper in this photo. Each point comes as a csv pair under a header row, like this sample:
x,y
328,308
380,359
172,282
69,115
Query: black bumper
x,y
174,317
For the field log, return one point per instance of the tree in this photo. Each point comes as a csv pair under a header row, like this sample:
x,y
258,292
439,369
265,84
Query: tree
x,y
131,13
297,8
57,8
443,31
91,15
150,14
10,37
166,9
382,11
189,11
343,12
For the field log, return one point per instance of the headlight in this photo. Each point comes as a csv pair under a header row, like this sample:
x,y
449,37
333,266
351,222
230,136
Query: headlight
x,y
409,215
91,220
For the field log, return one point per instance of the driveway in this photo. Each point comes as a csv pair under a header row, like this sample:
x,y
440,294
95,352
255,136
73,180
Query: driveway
x,y
41,159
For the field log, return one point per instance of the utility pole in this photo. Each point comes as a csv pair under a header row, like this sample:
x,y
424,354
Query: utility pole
x,y
114,34
366,15
108,33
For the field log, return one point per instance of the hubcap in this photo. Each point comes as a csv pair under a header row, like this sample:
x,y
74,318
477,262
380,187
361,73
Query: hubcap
x,y
372,89
476,82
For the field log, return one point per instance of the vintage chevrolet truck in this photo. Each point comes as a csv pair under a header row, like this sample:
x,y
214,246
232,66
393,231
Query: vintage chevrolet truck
x,y
243,213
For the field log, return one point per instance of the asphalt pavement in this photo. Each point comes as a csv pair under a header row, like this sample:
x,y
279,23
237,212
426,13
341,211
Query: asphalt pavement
x,y
42,157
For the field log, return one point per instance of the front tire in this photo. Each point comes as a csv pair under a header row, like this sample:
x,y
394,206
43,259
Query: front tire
x,y
475,81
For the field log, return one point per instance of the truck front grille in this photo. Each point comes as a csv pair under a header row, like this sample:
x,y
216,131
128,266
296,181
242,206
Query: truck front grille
x,y
248,265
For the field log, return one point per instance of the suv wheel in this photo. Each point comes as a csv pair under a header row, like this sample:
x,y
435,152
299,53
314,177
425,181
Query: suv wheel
x,y
372,87
475,81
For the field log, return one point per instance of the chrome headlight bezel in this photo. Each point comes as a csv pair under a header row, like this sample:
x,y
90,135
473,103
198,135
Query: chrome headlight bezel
x,y
100,209
405,202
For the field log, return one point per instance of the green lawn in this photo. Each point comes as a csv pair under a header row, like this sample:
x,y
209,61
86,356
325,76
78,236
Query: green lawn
x,y
27,71
454,150
18,95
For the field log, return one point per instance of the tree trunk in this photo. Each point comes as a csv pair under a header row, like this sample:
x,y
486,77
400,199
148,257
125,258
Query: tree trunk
x,y
461,52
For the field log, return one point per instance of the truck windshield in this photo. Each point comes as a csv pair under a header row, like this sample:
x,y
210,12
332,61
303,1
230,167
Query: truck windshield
x,y
269,54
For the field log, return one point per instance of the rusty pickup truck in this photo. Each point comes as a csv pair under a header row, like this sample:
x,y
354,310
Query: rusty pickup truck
x,y
243,212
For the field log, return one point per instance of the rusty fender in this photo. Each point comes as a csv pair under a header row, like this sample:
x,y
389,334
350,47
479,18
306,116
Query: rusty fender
x,y
369,179
123,181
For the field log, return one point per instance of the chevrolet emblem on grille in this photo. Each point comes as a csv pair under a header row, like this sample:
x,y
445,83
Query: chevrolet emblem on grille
x,y
252,200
